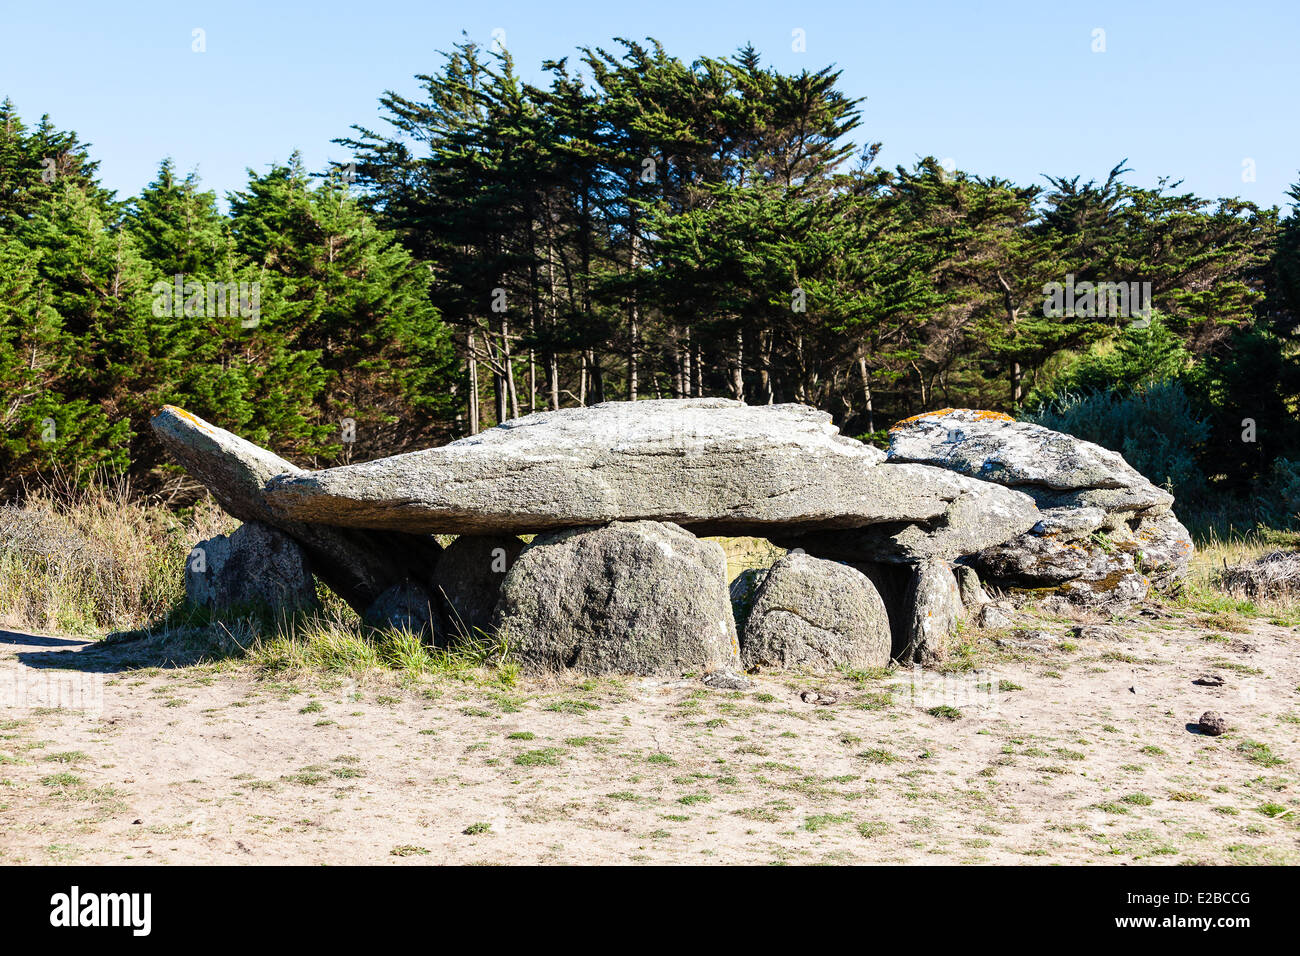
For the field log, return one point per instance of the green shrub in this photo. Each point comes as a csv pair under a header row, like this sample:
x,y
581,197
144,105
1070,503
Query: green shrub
x,y
1282,491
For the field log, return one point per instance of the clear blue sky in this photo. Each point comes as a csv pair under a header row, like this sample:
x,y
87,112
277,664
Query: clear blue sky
x,y
1189,89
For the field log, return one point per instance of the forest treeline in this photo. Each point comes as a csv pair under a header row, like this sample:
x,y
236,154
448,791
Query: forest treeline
x,y
633,227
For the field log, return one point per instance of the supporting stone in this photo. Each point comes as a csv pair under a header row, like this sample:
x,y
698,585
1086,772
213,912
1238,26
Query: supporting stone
x,y
817,614
411,608
468,576
641,597
254,568
934,609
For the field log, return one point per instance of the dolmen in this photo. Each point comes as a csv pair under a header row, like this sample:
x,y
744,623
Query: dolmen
x,y
888,553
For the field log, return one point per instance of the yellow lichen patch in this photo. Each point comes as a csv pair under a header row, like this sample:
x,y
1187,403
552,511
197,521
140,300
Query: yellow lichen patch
x,y
979,414
192,419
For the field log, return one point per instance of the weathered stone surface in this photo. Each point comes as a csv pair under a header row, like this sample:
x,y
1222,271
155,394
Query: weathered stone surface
x,y
468,575
1069,523
1156,546
255,566
742,590
1164,547
983,514
968,585
358,565
1097,632
933,606
711,465
995,614
816,614
1034,561
726,680
1113,593
408,607
1212,724
995,447
641,597
1105,533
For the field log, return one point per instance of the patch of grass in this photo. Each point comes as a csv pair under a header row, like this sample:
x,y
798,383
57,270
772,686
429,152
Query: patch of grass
x,y
407,849
869,674
88,559
1259,753
876,755
660,758
824,820
1137,799
571,706
693,798
521,735
334,640
1274,810
475,829
1116,808
769,813
546,757
944,712
874,700
67,756
62,780
307,778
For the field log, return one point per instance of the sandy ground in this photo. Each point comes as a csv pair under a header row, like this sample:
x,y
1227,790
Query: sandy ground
x,y
1062,749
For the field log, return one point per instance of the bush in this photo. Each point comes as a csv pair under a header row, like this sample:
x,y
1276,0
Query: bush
x,y
1136,357
1281,493
88,559
1153,426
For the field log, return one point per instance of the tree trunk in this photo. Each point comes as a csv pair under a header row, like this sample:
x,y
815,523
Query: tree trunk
x,y
472,393
866,392
738,368
507,364
765,367
597,378
684,364
634,329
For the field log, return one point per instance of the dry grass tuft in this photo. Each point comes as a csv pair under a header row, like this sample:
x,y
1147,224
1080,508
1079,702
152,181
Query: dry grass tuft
x,y
1275,575
88,559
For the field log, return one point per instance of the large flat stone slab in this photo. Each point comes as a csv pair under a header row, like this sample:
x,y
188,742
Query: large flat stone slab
x,y
713,466
981,516
359,565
